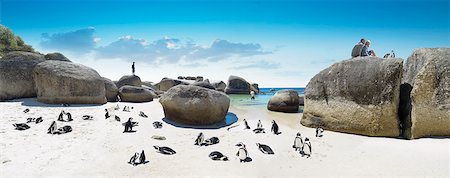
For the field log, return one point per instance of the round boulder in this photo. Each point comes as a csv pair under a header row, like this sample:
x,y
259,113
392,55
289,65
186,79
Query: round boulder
x,y
204,84
284,101
237,85
167,83
60,82
135,94
187,104
16,75
111,90
131,80
56,57
219,85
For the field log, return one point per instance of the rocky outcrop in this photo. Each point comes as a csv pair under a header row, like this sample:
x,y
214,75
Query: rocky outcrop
x,y
219,85
194,105
111,90
167,83
425,101
56,57
66,82
135,94
301,100
284,101
254,87
204,84
131,80
237,85
16,75
358,96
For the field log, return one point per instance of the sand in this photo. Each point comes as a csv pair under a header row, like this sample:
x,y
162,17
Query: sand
x,y
98,148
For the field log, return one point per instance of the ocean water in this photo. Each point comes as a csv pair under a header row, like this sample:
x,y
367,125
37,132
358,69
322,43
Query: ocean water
x,y
261,100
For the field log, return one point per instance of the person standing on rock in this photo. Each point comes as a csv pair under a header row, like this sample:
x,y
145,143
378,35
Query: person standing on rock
x,y
132,68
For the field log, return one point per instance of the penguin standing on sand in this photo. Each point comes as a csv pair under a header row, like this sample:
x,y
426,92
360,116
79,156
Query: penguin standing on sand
x,y
200,139
61,115
275,128
242,153
298,142
246,124
128,125
142,158
319,132
107,114
307,148
134,159
259,125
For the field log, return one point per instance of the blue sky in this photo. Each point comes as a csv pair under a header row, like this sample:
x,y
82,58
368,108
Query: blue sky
x,y
273,43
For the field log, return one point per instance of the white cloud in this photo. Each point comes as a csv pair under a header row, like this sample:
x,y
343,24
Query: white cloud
x,y
78,41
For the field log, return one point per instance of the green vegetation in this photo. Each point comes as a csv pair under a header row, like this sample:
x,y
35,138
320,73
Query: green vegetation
x,y
9,42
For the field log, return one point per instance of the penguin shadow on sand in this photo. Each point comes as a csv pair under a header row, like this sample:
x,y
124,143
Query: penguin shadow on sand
x,y
230,118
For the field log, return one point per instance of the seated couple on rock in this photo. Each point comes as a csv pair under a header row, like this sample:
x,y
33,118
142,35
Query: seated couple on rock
x,y
362,49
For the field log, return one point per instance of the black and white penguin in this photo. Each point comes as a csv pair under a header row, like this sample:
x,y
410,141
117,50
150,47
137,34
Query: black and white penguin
x,y
61,115
128,125
265,149
87,117
157,124
259,124
200,139
21,126
134,159
275,128
298,142
107,114
142,159
242,153
319,132
307,150
117,107
142,114
246,124
26,110
165,150
69,117
53,128
117,118
218,156
211,141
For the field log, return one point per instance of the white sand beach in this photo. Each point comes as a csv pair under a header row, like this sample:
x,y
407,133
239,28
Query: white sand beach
x,y
98,148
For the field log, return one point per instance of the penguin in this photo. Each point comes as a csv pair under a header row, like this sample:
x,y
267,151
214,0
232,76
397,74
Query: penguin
x,y
157,124
107,114
200,139
275,128
142,158
26,110
392,54
53,128
298,142
218,156
259,124
128,125
242,153
117,118
165,150
142,114
117,107
69,117
21,126
265,149
319,132
211,141
87,117
307,148
61,115
133,160
246,124
39,120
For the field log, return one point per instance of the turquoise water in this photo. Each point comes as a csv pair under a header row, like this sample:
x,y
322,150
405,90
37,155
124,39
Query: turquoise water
x,y
261,99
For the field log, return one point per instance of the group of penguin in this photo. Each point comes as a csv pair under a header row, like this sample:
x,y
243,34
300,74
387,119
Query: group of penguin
x,y
53,129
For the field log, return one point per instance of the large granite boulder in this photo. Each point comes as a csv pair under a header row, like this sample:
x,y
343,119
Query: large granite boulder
x,y
284,101
219,85
136,94
131,80
56,57
111,90
358,96
425,103
187,104
66,82
16,75
204,84
167,83
237,85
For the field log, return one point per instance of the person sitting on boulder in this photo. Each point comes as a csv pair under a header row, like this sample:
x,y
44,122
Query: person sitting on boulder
x,y
365,50
252,94
356,51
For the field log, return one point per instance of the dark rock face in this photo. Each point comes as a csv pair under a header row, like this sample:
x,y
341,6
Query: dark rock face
x,y
111,90
219,85
135,94
425,98
284,101
167,83
188,104
16,75
254,87
358,96
237,85
131,80
56,57
60,82
204,84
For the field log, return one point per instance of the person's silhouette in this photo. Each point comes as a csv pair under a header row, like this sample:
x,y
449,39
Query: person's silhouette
x,y
132,68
